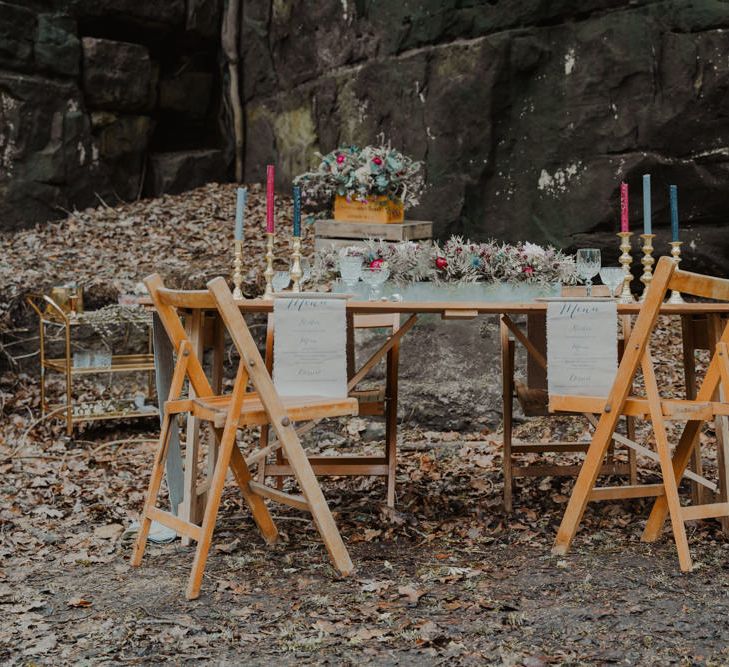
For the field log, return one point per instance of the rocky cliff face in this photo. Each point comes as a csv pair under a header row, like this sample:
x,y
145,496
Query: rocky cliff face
x,y
102,99
527,114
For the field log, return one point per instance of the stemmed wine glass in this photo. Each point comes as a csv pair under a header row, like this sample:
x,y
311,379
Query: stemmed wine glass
x,y
350,269
375,277
613,277
588,266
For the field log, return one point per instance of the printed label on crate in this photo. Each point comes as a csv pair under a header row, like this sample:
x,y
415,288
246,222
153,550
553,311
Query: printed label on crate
x,y
309,357
582,347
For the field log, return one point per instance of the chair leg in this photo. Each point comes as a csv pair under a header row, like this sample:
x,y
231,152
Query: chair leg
x,y
260,512
681,456
670,483
672,499
256,504
152,492
320,512
227,442
583,487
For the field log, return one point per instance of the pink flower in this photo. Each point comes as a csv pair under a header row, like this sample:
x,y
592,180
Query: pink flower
x,y
441,263
376,263
528,270
340,158
377,160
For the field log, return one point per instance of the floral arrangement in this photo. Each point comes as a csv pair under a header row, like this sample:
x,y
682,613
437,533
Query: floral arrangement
x,y
361,173
458,260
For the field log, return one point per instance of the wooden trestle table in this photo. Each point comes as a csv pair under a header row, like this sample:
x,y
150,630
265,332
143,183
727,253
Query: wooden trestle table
x,y
182,480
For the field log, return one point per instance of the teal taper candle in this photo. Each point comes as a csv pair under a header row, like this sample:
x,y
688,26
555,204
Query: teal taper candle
x,y
673,196
297,210
647,226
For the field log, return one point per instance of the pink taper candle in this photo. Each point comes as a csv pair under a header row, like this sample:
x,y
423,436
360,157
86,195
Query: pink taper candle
x,y
269,198
624,207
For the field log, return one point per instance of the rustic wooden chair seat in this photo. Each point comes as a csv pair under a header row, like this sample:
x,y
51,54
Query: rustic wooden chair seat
x,y
637,406
371,395
711,401
226,414
253,413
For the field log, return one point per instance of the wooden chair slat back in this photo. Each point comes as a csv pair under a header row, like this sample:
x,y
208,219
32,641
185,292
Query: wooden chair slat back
x,y
176,332
186,298
166,312
696,284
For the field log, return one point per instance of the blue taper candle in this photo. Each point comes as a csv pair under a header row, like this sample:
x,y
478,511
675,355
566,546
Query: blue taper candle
x,y
240,205
673,196
647,227
297,210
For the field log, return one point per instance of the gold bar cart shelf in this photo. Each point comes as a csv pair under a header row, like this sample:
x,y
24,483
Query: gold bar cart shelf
x,y
120,363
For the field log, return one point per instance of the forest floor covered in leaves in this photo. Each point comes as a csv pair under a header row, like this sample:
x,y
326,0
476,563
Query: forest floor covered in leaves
x,y
447,577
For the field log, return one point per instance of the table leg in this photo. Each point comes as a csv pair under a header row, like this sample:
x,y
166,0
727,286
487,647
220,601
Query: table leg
x,y
507,394
189,508
689,374
264,438
392,365
627,323
163,368
720,426
217,383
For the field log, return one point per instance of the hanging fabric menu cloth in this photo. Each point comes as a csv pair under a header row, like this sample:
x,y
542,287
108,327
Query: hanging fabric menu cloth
x,y
582,347
309,356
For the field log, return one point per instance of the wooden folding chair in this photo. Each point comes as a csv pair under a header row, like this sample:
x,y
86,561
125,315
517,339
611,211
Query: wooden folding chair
x,y
377,401
534,400
226,414
710,402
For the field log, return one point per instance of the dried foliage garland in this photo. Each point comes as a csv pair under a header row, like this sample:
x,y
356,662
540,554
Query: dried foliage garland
x,y
459,261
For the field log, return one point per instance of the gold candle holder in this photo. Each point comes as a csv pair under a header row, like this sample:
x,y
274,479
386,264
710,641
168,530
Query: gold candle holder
x,y
626,260
647,261
238,270
296,271
676,254
268,273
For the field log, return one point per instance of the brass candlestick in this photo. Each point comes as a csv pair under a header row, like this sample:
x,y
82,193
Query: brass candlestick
x,y
237,270
676,254
268,273
296,271
626,260
647,261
